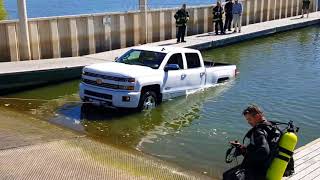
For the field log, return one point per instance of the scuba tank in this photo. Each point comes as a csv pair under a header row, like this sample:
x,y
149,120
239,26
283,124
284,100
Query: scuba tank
x,y
287,144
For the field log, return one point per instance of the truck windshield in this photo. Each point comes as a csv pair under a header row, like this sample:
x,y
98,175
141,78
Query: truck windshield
x,y
143,58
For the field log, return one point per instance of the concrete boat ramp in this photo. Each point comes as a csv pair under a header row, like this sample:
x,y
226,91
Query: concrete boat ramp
x,y
35,149
17,75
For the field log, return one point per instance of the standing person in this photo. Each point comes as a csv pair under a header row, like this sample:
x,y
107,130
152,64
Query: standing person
x,y
237,12
305,7
182,17
217,18
228,9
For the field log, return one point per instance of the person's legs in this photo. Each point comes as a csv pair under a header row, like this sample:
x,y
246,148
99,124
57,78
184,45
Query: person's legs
x,y
302,10
221,26
216,24
179,34
236,22
239,23
230,22
183,33
308,9
226,23
236,173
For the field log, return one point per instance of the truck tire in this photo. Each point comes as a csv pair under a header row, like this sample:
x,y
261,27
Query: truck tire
x,y
148,100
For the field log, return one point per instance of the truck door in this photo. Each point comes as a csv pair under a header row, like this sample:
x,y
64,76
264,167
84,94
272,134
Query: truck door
x,y
173,82
195,72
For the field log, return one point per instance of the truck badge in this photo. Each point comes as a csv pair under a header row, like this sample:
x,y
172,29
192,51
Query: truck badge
x,y
99,81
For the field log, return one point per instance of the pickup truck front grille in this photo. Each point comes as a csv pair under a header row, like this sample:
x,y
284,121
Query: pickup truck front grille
x,y
111,78
96,94
104,85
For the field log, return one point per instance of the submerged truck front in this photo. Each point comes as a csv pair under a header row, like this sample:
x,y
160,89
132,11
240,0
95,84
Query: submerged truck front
x,y
124,83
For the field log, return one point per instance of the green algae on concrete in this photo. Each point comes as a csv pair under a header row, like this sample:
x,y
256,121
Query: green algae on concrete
x,y
18,130
85,159
134,163
35,149
3,12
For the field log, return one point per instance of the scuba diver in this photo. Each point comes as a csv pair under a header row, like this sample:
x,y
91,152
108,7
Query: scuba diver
x,y
264,151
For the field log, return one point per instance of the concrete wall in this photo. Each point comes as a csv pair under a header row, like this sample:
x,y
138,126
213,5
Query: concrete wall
x,y
68,36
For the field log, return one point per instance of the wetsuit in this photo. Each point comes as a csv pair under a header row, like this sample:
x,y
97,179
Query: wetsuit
x,y
256,158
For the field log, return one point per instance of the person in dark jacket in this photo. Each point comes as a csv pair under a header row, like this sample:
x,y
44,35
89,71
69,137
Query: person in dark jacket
x,y
182,17
305,7
257,153
228,10
217,18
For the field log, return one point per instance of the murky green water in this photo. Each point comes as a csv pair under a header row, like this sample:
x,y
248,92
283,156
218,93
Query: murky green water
x,y
280,73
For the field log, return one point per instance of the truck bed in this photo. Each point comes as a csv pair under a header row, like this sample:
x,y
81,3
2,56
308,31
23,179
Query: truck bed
x,y
209,64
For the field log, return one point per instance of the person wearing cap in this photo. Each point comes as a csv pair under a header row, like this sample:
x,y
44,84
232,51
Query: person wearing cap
x,y
217,18
182,17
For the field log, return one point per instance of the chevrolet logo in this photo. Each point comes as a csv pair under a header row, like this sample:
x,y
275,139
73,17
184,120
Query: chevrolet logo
x,y
99,81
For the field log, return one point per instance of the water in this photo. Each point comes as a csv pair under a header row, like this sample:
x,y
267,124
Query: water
x,y
41,8
280,73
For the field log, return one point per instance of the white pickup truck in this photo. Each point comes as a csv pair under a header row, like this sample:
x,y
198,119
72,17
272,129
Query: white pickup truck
x,y
145,76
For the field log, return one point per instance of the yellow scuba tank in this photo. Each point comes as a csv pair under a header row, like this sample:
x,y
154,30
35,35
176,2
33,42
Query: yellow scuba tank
x,y
287,144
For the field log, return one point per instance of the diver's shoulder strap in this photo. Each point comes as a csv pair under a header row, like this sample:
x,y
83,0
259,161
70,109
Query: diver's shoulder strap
x,y
267,126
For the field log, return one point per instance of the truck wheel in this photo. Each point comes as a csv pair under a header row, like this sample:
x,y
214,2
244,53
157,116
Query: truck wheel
x,y
148,100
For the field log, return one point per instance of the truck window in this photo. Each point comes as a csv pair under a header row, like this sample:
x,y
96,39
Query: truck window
x,y
142,58
193,60
176,59
134,55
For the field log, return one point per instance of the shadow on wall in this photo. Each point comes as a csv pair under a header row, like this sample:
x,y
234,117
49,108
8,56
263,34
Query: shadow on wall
x,y
3,12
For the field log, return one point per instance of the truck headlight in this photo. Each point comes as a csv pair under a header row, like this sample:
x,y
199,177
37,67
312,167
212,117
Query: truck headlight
x,y
131,80
130,88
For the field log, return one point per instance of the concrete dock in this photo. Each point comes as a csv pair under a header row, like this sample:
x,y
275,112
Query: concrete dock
x,y
16,75
307,162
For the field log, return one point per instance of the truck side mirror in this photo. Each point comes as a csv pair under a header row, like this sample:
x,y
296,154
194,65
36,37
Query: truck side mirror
x,y
170,67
